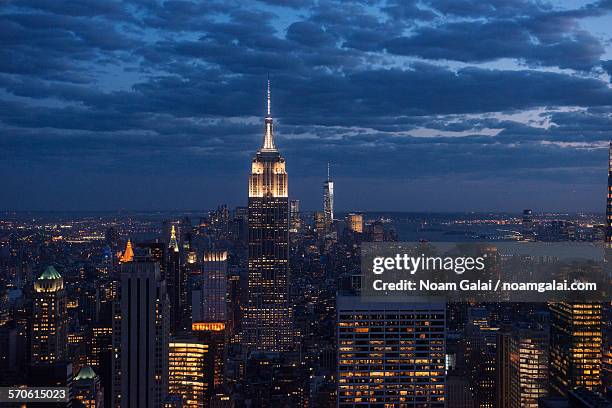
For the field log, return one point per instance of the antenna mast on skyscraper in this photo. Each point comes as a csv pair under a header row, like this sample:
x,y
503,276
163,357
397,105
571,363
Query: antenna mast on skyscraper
x,y
269,94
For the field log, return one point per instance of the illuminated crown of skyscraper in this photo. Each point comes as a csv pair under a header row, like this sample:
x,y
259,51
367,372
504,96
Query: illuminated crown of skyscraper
x,y
49,281
128,254
268,142
173,241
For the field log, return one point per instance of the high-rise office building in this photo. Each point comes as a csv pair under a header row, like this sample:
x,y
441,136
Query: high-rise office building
x,y
210,313
319,222
390,354
607,310
609,199
235,303
354,222
575,347
328,200
528,370
377,231
527,225
268,317
187,370
478,344
212,300
213,335
49,318
88,388
295,221
140,336
175,284
157,251
502,366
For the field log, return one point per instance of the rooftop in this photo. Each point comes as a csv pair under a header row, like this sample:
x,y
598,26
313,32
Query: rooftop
x,y
50,273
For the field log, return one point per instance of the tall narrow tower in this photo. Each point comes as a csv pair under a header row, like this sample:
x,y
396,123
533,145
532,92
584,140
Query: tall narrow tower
x,y
328,200
175,284
575,346
609,200
49,318
267,319
140,336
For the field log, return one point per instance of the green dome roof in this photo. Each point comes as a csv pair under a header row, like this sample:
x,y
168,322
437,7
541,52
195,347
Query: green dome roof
x,y
85,373
50,273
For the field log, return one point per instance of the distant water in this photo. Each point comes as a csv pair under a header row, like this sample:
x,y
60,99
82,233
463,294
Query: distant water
x,y
443,227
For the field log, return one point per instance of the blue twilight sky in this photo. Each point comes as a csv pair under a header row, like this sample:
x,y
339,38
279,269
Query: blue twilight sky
x,y
429,105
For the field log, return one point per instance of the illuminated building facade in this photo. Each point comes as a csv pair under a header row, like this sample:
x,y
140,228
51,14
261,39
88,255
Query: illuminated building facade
x,y
157,251
479,355
101,342
319,222
294,215
213,334
214,288
187,371
527,225
609,199
267,318
128,254
575,347
175,283
235,301
528,367
328,200
140,336
354,222
210,313
390,354
49,319
88,389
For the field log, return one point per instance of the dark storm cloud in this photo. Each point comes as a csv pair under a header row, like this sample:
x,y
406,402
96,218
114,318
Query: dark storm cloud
x,y
81,8
368,99
309,34
535,42
175,88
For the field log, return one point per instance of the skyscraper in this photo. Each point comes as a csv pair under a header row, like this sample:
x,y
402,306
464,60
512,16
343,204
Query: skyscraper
x,y
88,389
213,305
575,347
210,313
354,222
527,225
188,371
175,284
328,200
294,215
528,370
319,223
390,354
609,199
140,336
49,318
267,319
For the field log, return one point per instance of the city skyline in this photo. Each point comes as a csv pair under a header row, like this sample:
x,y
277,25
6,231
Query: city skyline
x,y
306,203
169,99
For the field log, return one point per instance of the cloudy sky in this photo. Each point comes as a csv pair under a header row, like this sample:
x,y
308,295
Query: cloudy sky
x,y
430,105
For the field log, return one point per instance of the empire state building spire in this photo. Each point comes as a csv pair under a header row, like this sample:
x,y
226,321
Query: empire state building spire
x,y
267,323
268,143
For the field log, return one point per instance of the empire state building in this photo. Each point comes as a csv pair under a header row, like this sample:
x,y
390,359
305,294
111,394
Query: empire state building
x,y
267,324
